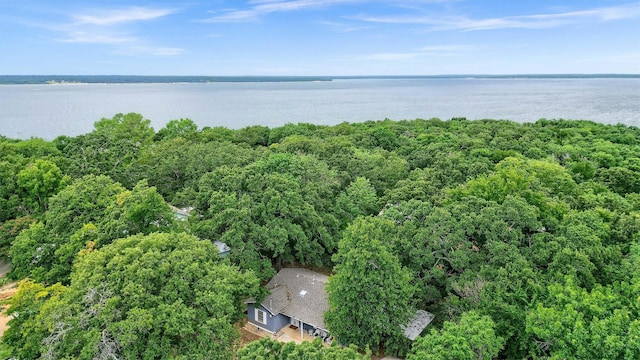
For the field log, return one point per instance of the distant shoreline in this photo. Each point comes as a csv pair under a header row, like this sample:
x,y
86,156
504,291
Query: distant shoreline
x,y
144,79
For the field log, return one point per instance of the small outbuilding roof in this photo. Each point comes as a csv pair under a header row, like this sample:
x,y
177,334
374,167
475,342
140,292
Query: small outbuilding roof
x,y
415,326
181,214
222,247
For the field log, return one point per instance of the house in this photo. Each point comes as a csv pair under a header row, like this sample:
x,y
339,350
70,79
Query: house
x,y
297,299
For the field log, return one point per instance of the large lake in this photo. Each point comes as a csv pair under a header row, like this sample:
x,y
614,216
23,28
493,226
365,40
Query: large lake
x,y
48,111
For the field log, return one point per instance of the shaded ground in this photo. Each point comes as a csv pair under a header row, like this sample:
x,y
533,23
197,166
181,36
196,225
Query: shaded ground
x,y
247,337
6,292
4,268
284,335
251,333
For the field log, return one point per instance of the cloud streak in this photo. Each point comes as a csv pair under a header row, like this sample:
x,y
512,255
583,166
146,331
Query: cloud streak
x,y
144,50
537,21
427,51
89,38
115,28
113,17
342,27
259,8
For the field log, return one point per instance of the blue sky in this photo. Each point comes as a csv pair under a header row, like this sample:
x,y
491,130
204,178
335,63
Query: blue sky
x,y
319,37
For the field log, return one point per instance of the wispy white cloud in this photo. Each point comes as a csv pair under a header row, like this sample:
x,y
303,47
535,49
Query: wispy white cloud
x,y
632,58
258,8
114,28
343,27
126,15
537,21
390,56
427,51
234,16
262,7
89,38
122,45
145,50
449,48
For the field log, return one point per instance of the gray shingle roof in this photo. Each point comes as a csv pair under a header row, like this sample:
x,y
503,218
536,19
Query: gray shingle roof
x,y
415,326
277,299
300,294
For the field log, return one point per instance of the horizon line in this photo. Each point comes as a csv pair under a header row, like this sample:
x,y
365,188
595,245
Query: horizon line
x,y
333,75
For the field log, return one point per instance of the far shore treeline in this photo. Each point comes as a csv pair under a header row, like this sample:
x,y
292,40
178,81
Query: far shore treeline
x,y
522,239
155,79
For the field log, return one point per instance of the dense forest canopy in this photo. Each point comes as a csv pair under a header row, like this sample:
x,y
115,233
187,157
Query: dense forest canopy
x,y
522,239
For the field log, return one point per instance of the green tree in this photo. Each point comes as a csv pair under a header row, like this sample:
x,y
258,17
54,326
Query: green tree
x,y
110,150
542,184
620,180
420,184
574,323
129,126
276,210
272,217
40,180
473,337
84,201
93,211
9,230
184,128
32,253
9,191
437,243
584,236
254,136
216,134
359,199
101,154
297,144
370,294
506,286
139,211
175,165
267,349
34,148
147,297
382,168
26,327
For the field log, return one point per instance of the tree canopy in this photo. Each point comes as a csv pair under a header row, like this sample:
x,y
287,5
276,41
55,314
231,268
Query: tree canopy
x,y
146,296
370,294
473,337
528,230
267,349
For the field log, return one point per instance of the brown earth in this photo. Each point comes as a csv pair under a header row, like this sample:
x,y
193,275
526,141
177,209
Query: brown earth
x,y
6,292
247,336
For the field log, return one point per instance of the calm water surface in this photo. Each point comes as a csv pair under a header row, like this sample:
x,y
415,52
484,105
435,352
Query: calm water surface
x,y
48,111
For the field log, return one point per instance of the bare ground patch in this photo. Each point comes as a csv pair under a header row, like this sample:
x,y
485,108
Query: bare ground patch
x,y
6,292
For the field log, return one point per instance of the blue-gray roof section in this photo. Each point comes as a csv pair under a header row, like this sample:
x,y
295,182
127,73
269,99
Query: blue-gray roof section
x,y
300,294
